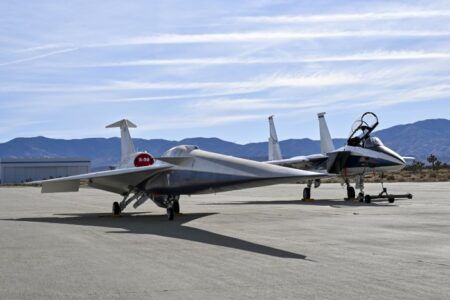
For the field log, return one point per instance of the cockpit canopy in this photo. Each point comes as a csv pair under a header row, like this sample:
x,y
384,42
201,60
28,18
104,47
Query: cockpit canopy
x,y
362,128
373,142
180,151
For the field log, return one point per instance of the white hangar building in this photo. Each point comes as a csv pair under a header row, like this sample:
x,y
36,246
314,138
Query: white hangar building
x,y
19,170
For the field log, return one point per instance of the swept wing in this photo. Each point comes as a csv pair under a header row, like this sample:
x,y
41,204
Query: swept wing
x,y
117,181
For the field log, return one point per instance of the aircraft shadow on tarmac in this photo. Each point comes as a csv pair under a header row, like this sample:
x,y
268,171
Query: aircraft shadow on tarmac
x,y
142,223
323,202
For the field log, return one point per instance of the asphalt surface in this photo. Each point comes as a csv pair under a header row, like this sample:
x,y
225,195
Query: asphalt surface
x,y
261,243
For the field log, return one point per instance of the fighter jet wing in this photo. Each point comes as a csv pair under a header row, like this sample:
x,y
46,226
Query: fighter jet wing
x,y
300,162
117,181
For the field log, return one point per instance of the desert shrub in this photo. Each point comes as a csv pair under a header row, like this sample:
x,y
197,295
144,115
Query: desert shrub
x,y
390,177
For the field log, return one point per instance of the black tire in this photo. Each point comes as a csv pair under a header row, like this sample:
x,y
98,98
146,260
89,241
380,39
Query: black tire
x,y
367,199
116,210
170,213
306,193
351,192
176,207
391,200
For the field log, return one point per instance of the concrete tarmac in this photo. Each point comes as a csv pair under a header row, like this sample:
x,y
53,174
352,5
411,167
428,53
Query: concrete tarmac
x,y
260,243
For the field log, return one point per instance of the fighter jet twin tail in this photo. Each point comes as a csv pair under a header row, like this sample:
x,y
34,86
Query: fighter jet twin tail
x,y
188,170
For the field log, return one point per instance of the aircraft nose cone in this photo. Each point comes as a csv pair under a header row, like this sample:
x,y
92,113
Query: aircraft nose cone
x,y
399,159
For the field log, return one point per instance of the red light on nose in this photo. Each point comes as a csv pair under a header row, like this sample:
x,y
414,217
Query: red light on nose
x,y
143,160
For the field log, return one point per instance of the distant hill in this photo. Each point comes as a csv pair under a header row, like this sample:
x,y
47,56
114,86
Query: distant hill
x,y
418,139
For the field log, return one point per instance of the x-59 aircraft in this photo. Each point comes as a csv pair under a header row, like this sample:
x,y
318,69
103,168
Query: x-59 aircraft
x,y
361,155
182,170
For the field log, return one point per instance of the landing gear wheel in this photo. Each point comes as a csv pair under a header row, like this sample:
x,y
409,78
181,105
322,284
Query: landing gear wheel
x,y
176,207
367,199
391,200
170,213
361,196
306,193
351,192
116,210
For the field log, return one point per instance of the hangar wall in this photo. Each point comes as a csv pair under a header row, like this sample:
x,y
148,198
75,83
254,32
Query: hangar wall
x,y
17,170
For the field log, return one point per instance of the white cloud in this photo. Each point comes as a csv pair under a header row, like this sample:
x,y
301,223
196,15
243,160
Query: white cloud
x,y
427,93
40,56
264,36
206,61
371,16
237,37
196,121
44,47
273,81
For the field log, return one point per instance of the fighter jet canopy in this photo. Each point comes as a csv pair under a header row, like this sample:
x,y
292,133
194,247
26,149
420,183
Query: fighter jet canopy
x,y
373,142
361,129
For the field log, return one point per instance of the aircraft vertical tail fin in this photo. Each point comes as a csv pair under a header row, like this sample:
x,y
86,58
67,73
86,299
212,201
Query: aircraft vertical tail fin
x,y
326,143
126,143
274,146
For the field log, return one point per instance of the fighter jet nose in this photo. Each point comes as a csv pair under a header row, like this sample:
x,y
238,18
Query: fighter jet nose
x,y
400,160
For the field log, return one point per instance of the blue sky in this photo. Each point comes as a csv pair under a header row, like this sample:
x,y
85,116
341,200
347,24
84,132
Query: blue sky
x,y
219,68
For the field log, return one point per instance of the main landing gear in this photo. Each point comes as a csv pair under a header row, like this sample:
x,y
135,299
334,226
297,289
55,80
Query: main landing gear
x,y
116,210
350,190
173,206
351,194
139,196
169,202
307,189
307,193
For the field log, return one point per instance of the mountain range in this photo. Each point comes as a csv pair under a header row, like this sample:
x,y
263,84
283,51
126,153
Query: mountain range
x,y
418,139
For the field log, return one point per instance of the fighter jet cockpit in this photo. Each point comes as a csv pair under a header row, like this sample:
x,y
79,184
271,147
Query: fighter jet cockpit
x,y
373,142
361,129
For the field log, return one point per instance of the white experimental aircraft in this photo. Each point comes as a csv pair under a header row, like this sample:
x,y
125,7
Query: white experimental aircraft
x,y
182,170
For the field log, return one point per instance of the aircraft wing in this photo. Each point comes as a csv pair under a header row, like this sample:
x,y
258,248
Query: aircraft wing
x,y
300,162
117,181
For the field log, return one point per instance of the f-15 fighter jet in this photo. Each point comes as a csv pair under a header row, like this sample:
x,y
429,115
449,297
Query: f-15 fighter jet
x,y
361,155
182,170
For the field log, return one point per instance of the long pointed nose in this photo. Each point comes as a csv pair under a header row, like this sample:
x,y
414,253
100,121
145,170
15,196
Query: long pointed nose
x,y
397,158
